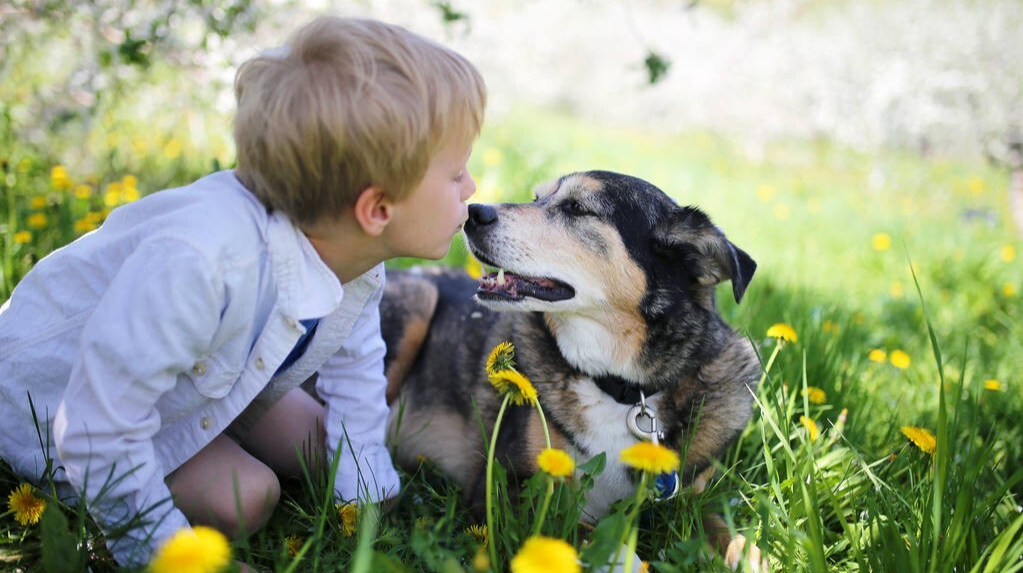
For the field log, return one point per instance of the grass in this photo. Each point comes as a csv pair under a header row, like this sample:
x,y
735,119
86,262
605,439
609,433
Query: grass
x,y
857,252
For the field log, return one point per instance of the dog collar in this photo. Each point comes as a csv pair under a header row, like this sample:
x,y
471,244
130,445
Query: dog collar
x,y
620,389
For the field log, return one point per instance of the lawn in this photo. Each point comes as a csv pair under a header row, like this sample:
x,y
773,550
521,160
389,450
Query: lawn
x,y
886,436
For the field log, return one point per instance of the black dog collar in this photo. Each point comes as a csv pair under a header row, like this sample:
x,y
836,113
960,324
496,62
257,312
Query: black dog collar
x,y
620,389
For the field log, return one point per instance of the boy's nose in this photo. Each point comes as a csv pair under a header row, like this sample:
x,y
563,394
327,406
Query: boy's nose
x,y
480,214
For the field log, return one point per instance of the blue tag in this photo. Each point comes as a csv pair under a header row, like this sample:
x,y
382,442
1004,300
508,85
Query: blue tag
x,y
666,486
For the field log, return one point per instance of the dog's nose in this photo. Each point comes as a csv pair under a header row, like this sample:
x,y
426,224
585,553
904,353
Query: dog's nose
x,y
480,214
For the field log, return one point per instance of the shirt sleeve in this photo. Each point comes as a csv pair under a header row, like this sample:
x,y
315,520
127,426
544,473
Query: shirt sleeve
x,y
158,314
353,385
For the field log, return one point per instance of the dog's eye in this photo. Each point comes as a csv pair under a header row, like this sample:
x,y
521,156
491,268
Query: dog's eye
x,y
573,207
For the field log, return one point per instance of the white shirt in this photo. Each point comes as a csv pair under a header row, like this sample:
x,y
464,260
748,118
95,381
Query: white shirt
x,y
141,341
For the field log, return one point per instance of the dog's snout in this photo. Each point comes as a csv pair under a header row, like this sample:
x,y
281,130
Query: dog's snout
x,y
481,215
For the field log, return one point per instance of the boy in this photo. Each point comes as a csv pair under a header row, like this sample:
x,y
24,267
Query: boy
x,y
162,353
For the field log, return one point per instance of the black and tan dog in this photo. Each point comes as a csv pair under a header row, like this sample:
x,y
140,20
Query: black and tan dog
x,y
606,289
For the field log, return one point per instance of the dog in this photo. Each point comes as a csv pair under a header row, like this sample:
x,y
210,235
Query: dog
x,y
606,288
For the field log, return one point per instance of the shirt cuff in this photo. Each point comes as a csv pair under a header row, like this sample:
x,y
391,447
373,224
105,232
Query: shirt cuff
x,y
368,476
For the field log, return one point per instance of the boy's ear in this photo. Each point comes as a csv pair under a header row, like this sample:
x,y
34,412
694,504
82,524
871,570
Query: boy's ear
x,y
373,210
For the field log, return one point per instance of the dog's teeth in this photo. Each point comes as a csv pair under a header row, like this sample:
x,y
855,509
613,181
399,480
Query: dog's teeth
x,y
500,277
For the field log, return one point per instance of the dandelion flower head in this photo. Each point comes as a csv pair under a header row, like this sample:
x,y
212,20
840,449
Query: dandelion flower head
x,y
294,544
27,506
502,357
546,555
877,355
199,549
515,385
811,427
348,513
555,462
478,532
815,395
992,385
922,438
651,458
782,331
899,359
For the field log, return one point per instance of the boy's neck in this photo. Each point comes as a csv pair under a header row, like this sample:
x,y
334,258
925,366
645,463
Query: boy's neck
x,y
344,247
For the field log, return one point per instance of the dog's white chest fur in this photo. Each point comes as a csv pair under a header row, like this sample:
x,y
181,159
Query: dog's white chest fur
x,y
605,430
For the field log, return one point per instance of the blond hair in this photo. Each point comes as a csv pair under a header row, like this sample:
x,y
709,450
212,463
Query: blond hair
x,y
348,104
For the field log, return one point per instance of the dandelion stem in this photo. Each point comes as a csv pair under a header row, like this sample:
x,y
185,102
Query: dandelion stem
x,y
550,481
770,362
630,524
491,531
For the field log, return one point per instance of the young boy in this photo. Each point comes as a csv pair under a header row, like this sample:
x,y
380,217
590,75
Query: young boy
x,y
162,353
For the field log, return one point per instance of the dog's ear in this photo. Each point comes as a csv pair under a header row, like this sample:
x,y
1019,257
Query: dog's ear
x,y
688,234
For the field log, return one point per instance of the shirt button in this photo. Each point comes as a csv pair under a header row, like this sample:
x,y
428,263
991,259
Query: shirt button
x,y
259,363
199,368
291,322
204,423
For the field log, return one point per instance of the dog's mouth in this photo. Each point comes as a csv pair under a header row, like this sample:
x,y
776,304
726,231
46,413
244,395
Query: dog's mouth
x,y
508,286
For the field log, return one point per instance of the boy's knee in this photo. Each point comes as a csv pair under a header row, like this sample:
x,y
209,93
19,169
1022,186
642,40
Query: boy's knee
x,y
255,495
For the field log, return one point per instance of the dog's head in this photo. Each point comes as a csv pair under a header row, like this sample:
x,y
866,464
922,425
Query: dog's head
x,y
605,249
596,240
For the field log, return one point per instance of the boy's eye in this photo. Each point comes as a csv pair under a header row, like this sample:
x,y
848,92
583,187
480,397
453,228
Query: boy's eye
x,y
460,177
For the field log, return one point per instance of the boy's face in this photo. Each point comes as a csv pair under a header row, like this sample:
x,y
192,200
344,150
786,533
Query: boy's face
x,y
423,223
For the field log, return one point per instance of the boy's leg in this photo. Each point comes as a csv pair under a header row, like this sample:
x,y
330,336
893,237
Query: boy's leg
x,y
225,487
292,425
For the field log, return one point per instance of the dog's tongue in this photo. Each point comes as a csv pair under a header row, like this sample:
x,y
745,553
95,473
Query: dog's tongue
x,y
512,286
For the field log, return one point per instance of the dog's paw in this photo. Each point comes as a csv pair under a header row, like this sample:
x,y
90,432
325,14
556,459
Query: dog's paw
x,y
736,553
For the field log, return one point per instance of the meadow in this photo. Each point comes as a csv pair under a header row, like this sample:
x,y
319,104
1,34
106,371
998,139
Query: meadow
x,y
886,435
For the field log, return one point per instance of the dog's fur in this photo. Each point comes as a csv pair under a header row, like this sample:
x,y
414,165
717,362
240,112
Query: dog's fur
x,y
626,291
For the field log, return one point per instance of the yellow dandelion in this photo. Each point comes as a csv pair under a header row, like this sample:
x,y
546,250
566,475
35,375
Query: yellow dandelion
x,y
27,507
878,355
811,427
60,178
546,555
896,290
84,225
294,544
172,150
349,515
555,462
815,395
130,194
502,357
473,269
765,193
112,195
881,241
922,438
83,191
479,533
830,327
129,180
515,385
1009,290
22,237
37,220
37,202
975,185
492,157
899,359
782,331
650,457
992,385
1008,253
199,549
481,561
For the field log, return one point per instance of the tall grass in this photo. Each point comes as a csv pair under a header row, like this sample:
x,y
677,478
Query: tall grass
x,y
882,252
